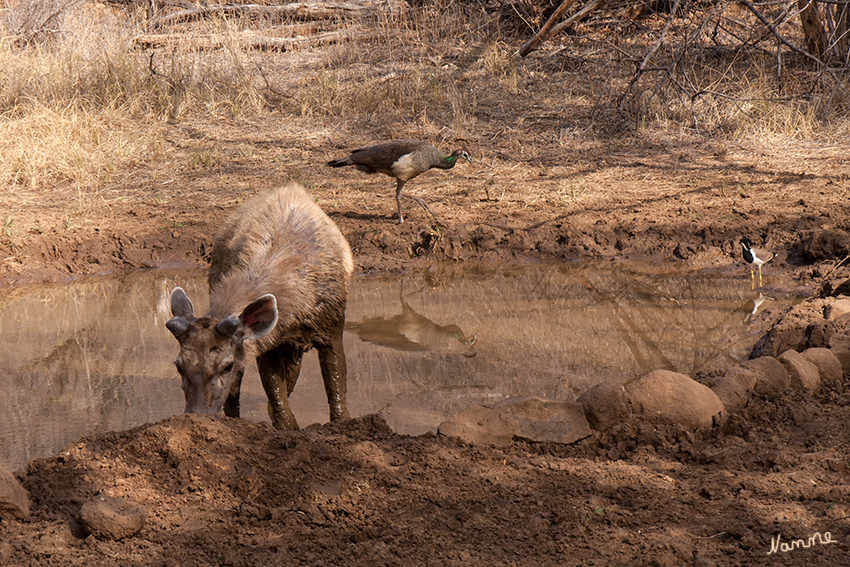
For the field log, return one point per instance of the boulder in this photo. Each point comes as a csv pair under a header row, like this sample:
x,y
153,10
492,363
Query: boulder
x,y
746,377
675,398
843,356
732,391
793,329
604,405
839,332
547,420
818,334
107,517
771,376
803,374
14,500
478,425
841,306
829,367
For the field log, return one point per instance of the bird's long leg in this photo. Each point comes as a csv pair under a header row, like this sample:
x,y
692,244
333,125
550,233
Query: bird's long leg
x,y
399,184
753,279
421,202
760,282
398,196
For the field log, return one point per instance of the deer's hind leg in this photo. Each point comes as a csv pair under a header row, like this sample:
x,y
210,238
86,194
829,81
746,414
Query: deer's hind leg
x,y
332,362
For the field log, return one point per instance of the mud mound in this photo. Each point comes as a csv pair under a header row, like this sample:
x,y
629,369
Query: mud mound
x,y
231,492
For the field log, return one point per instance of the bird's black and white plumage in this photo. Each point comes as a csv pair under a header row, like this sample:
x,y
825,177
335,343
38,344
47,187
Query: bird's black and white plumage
x,y
755,258
403,160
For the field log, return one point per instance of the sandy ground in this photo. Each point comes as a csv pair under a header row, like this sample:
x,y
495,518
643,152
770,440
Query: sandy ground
x,y
230,492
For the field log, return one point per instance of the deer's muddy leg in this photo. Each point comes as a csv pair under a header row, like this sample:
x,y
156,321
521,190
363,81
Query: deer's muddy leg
x,y
279,369
231,404
332,361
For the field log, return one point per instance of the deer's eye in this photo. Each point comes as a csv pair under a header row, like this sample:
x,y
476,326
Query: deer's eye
x,y
228,369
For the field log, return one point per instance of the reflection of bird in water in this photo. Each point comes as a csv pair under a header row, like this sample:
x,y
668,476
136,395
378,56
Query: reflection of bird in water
x,y
754,306
411,331
755,257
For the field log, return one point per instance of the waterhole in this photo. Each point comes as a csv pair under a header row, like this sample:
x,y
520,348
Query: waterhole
x,y
94,355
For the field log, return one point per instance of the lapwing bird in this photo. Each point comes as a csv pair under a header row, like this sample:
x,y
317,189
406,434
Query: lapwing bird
x,y
403,160
755,258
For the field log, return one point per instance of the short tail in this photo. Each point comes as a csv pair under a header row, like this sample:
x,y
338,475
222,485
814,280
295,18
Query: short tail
x,y
340,162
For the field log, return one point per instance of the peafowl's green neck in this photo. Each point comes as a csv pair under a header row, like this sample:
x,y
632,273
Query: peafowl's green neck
x,y
447,162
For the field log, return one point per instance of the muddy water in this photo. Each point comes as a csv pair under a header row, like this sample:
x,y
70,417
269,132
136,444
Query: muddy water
x,y
94,355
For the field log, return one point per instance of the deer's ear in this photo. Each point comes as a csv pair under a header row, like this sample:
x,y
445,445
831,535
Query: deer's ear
x,y
260,317
181,306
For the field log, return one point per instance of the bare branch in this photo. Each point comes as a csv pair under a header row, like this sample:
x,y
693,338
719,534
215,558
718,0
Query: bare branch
x,y
749,5
576,17
643,66
541,36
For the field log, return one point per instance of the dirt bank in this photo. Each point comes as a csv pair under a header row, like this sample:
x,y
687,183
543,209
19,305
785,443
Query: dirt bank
x,y
674,198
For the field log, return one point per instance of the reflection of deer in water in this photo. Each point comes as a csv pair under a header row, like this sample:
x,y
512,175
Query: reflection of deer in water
x,y
411,331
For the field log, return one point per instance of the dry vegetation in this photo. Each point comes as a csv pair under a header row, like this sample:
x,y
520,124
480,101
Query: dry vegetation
x,y
84,104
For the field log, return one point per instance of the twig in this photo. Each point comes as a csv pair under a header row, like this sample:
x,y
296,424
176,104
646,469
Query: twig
x,y
652,51
778,35
835,267
268,84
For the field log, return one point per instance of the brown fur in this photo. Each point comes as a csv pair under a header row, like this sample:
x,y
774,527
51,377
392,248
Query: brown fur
x,y
279,243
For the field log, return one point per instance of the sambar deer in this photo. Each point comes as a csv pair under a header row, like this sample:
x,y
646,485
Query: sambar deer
x,y
278,282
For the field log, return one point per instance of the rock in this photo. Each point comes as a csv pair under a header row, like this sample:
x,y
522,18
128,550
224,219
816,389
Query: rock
x,y
675,398
14,500
793,329
819,333
841,289
843,356
824,245
829,333
732,391
745,376
841,306
480,426
803,374
771,376
547,420
108,517
604,405
829,367
839,332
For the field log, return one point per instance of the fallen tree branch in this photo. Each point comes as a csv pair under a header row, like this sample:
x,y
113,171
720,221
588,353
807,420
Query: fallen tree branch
x,y
544,32
251,40
301,10
576,17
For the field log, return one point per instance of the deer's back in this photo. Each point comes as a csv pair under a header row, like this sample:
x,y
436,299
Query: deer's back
x,y
281,242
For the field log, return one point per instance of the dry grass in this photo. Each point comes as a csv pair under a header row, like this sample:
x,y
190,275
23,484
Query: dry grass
x,y
83,105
